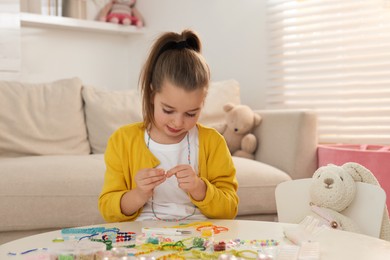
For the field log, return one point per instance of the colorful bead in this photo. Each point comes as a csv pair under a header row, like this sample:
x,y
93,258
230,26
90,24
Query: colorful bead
x,y
152,240
124,236
221,246
198,242
206,232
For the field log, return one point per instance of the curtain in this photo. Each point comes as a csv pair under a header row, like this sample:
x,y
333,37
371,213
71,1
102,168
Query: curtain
x,y
332,56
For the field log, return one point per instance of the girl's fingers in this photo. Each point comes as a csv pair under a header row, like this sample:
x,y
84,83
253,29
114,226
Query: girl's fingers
x,y
179,168
151,177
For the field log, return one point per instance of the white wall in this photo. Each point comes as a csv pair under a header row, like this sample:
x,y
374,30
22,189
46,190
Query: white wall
x,y
98,59
232,32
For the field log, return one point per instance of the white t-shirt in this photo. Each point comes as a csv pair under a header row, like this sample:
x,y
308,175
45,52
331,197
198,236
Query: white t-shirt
x,y
169,201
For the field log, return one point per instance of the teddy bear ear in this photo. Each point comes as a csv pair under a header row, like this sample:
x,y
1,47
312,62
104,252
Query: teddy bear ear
x,y
353,169
257,119
360,173
227,107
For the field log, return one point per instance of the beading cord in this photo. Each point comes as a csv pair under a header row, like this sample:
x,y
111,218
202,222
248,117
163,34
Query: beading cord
x,y
179,246
82,233
188,146
189,162
88,236
110,236
89,231
149,247
216,229
26,252
108,243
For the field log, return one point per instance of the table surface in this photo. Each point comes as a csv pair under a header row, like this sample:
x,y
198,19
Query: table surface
x,y
334,244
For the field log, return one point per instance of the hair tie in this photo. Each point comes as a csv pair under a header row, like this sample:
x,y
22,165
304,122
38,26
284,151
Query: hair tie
x,y
181,45
175,46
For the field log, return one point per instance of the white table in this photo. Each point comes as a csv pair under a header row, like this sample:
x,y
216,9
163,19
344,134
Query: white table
x,y
334,244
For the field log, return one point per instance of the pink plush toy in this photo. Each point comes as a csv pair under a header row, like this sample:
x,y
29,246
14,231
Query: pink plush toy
x,y
121,12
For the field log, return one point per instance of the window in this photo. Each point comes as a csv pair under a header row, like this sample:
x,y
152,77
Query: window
x,y
9,39
332,56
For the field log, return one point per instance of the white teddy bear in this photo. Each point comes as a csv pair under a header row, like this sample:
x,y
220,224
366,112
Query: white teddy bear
x,y
333,189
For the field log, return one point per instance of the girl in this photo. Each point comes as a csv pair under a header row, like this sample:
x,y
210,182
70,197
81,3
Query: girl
x,y
169,167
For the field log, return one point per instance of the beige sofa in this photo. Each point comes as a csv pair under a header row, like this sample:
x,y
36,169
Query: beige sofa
x,y
53,136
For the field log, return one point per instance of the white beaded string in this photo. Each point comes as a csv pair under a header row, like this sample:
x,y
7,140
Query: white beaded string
x,y
189,162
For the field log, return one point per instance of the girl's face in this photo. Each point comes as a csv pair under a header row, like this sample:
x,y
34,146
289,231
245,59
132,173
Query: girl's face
x,y
175,112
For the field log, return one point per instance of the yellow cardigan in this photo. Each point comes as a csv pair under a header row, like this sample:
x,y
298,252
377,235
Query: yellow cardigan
x,y
127,153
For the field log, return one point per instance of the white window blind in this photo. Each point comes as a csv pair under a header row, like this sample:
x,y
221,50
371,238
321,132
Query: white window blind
x,y
10,61
332,56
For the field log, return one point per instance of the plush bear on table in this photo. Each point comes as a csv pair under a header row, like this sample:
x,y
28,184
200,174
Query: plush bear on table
x,y
121,12
333,189
240,121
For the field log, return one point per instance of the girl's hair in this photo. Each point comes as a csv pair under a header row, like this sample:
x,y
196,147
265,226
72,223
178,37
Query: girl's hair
x,y
175,58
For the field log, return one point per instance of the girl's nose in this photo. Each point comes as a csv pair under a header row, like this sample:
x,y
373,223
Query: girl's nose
x,y
179,121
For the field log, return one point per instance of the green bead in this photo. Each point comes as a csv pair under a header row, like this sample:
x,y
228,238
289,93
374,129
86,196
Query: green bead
x,y
198,242
153,240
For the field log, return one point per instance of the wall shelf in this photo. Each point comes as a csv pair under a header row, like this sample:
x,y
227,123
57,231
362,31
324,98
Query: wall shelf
x,y
45,21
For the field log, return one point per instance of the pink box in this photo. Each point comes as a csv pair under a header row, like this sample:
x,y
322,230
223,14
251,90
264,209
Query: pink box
x,y
376,158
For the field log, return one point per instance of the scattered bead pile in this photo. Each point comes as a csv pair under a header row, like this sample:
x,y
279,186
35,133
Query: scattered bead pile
x,y
199,247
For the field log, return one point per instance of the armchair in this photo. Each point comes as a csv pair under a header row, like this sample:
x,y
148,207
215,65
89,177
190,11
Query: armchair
x,y
287,150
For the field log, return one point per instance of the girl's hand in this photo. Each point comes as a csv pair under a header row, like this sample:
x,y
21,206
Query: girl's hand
x,y
148,179
188,181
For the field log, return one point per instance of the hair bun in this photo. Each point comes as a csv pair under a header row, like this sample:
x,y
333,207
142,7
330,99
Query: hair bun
x,y
192,40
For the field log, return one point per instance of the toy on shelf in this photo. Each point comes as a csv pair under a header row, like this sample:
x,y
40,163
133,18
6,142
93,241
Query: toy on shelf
x,y
121,12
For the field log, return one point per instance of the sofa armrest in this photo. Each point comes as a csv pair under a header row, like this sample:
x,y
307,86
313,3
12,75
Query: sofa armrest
x,y
288,141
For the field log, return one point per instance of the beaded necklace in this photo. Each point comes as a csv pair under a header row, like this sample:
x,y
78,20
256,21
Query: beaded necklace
x,y
189,162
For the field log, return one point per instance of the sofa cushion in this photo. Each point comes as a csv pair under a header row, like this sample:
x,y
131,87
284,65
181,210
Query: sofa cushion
x,y
42,119
219,94
256,186
106,111
50,191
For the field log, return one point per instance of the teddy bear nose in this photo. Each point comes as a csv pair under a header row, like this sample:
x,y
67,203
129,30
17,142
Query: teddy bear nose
x,y
328,181
235,129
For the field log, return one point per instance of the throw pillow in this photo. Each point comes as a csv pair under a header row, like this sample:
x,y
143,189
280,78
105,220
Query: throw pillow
x,y
42,119
219,94
106,111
